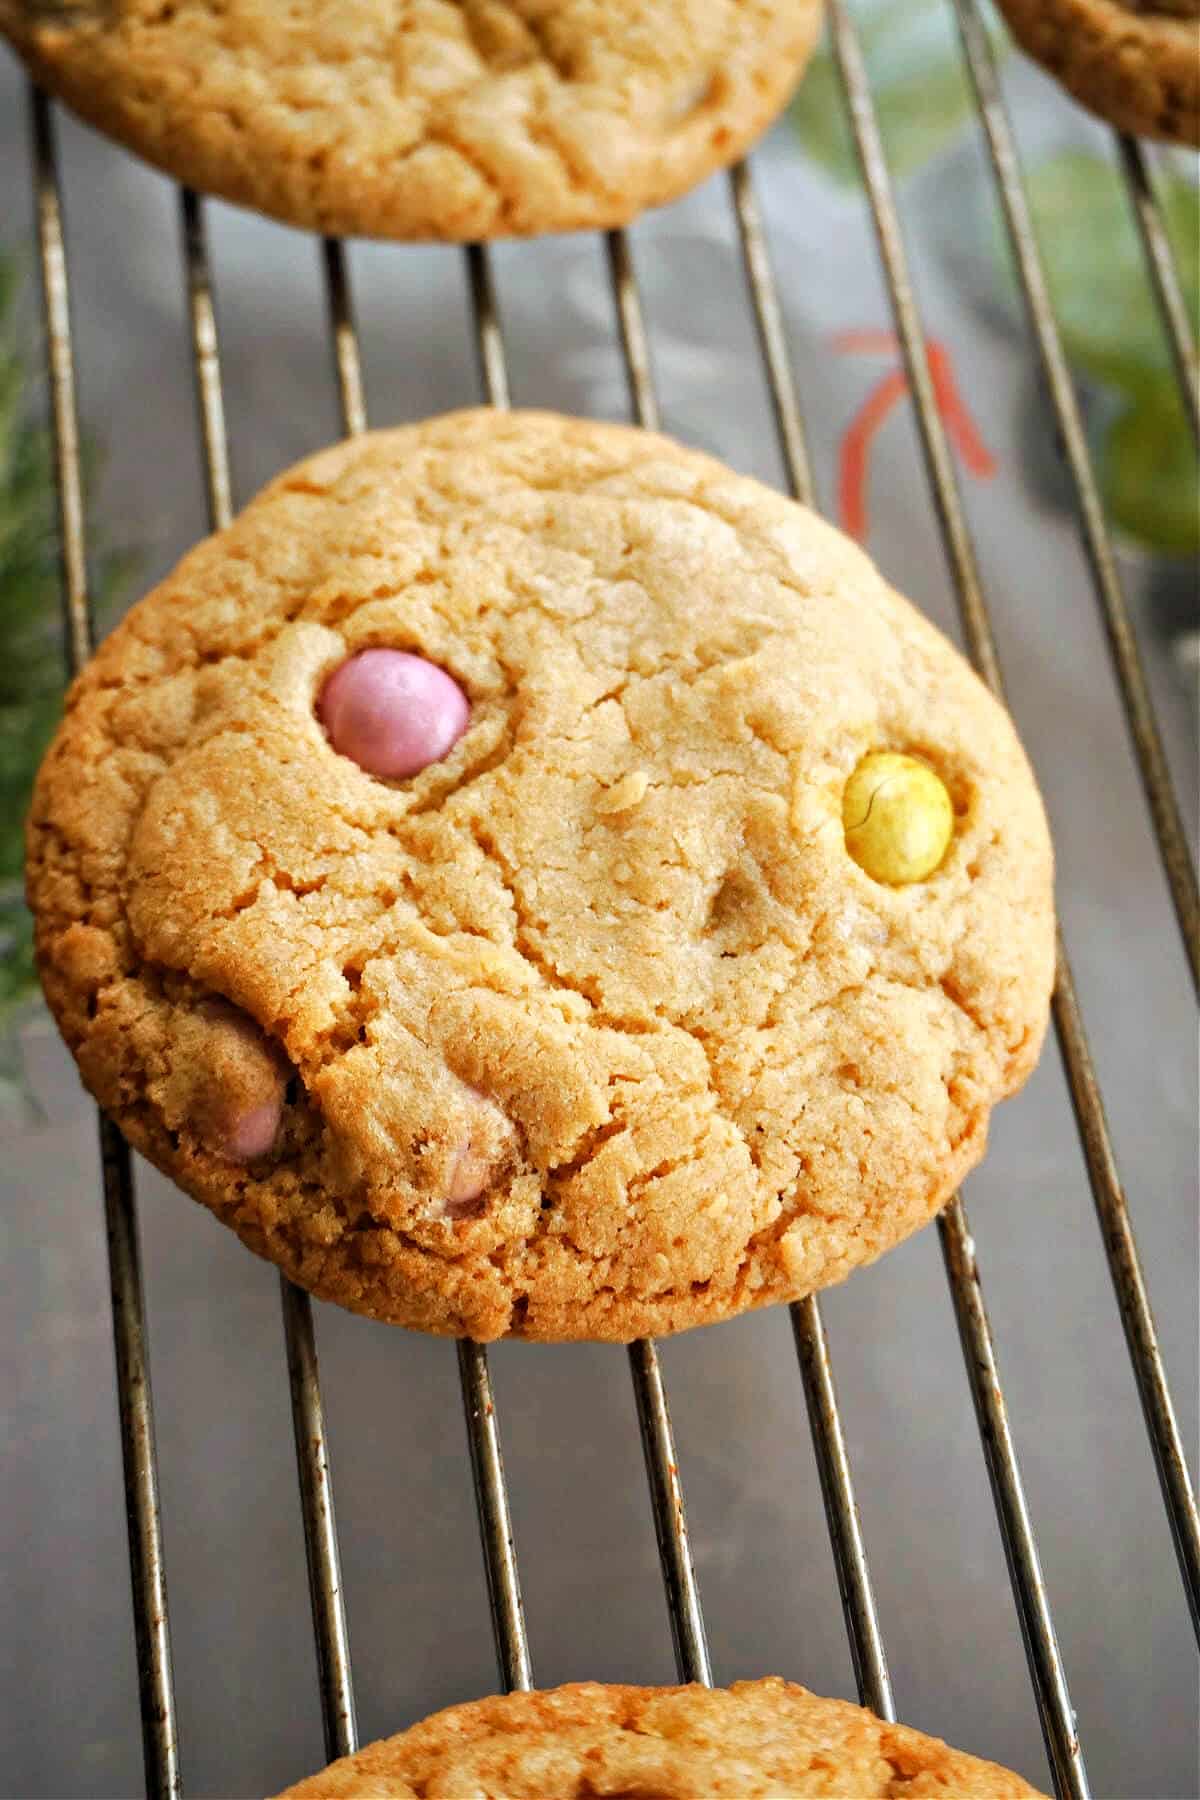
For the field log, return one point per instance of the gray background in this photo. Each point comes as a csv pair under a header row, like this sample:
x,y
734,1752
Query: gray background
x,y
416,1602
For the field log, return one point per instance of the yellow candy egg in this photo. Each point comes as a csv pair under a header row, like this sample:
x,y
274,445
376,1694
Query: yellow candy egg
x,y
897,816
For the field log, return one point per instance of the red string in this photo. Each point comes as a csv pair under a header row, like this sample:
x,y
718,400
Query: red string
x,y
855,450
854,456
957,420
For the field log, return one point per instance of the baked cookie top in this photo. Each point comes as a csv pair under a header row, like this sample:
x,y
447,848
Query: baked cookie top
x,y
449,119
660,1744
1134,62
682,979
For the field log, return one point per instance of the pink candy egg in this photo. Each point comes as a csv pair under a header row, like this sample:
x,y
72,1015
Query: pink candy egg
x,y
392,713
232,1085
253,1132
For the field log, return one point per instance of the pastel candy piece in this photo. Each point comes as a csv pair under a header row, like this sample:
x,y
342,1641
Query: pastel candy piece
x,y
467,1183
236,1084
475,1158
392,713
897,816
253,1133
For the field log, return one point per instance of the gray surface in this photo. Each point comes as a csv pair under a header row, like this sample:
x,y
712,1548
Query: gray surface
x,y
417,1608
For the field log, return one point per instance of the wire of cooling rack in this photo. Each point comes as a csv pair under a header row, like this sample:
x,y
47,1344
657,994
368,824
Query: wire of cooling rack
x,y
308,1416
1054,1704
483,1431
1108,1195
320,1525
495,1519
151,1621
1016,1530
1164,275
1046,1668
1110,1200
654,1418
491,1492
670,1518
812,1344
1126,657
156,1688
854,1580
343,333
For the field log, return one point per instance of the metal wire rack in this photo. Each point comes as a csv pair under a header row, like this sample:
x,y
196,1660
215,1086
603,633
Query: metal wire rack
x,y
161,1750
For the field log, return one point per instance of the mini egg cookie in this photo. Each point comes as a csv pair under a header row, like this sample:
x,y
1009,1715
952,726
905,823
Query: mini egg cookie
x,y
756,1738
451,119
527,879
1134,62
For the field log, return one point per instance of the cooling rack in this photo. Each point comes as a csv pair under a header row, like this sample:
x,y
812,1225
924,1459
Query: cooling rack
x,y
962,1267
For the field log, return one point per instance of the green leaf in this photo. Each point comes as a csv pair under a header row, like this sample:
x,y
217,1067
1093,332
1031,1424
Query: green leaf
x,y
1112,332
1097,271
1150,474
819,115
921,93
16,952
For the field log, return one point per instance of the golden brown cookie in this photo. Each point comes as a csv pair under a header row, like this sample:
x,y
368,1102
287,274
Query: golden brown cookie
x,y
1135,64
682,979
766,1737
426,118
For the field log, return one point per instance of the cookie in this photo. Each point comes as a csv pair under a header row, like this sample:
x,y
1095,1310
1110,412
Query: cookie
x,y
1135,64
527,879
766,1737
453,119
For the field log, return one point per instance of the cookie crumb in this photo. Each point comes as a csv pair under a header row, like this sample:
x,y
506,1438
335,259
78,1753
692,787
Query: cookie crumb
x,y
624,794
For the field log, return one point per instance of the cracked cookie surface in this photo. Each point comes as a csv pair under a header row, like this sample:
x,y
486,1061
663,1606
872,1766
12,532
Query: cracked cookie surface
x,y
585,1742
1134,62
452,119
594,1027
